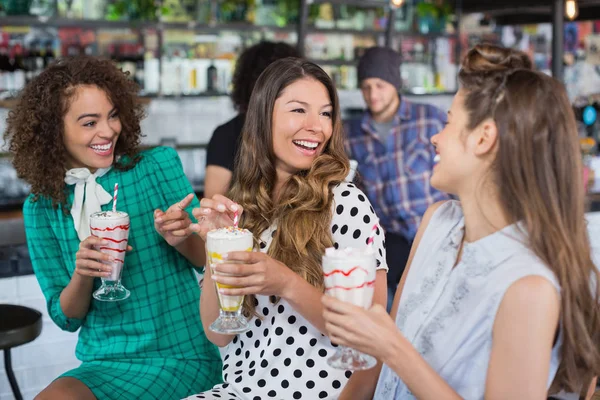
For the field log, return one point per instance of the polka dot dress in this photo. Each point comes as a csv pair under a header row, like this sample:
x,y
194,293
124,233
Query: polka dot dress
x,y
283,356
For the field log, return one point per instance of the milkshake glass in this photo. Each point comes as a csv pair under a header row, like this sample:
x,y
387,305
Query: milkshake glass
x,y
349,275
218,243
112,226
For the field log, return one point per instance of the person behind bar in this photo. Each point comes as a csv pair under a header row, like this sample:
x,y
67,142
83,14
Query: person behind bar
x,y
290,183
391,144
495,301
74,133
223,145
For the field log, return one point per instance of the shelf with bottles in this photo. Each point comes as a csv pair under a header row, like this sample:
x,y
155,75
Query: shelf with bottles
x,y
426,18
364,17
52,22
112,10
202,64
416,35
429,64
23,55
191,14
338,49
361,3
26,51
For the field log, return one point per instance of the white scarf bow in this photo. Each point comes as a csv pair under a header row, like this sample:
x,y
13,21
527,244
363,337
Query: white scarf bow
x,y
89,196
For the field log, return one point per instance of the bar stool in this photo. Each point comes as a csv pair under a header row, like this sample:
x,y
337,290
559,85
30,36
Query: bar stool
x,y
18,325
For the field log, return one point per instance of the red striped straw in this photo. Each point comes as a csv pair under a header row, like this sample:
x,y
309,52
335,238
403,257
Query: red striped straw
x,y
372,236
235,219
115,197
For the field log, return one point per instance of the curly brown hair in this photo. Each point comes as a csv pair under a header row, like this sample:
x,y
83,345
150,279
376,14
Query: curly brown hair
x,y
35,127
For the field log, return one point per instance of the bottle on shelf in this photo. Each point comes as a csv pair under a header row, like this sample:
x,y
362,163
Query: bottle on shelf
x,y
19,67
29,62
139,65
151,73
49,55
212,79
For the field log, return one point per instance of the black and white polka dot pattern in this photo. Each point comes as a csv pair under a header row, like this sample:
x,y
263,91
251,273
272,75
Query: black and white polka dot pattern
x,y
223,392
283,356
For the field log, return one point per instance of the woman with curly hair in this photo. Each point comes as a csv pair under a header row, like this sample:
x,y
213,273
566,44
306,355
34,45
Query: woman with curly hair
x,y
290,183
75,133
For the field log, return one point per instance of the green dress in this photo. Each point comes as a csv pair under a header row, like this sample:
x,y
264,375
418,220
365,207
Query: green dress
x,y
151,345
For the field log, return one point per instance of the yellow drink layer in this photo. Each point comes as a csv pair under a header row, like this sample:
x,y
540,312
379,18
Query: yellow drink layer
x,y
227,302
220,242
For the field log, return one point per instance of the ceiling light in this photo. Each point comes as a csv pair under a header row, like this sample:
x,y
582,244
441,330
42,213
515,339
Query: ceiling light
x,y
571,9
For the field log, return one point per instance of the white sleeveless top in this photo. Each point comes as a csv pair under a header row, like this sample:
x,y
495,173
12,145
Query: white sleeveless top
x,y
448,313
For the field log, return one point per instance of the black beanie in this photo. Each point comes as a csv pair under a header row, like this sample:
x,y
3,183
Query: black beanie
x,y
383,63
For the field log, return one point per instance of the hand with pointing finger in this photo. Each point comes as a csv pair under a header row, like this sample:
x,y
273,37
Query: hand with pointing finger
x,y
174,224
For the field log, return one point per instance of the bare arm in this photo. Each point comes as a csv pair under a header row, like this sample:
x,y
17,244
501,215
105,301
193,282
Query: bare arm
x,y
522,339
522,343
591,389
76,296
216,181
362,386
192,249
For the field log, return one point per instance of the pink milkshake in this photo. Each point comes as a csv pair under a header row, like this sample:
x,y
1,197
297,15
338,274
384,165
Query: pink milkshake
x,y
112,226
349,275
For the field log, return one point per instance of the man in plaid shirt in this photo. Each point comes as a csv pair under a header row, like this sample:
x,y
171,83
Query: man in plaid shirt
x,y
391,143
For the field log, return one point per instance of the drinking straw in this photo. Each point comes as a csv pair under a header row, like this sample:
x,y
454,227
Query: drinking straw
x,y
372,236
235,219
115,197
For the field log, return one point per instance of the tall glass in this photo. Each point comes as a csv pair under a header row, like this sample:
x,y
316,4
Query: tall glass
x,y
350,276
112,226
219,242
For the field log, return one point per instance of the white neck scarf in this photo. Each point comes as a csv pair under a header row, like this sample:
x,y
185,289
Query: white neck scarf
x,y
86,188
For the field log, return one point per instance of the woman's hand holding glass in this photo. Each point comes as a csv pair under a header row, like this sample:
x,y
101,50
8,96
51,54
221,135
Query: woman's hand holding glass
x,y
252,273
370,331
89,261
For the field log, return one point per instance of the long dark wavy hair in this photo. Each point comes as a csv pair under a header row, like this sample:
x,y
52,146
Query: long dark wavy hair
x,y
35,127
304,205
539,174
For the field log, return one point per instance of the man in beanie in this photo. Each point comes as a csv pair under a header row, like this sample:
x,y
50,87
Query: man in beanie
x,y
391,143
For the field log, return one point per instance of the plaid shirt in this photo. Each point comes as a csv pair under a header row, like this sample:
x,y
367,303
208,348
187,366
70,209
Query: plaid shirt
x,y
395,174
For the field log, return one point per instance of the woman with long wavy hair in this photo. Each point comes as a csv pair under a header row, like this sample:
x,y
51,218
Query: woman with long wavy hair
x,y
290,183
495,302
